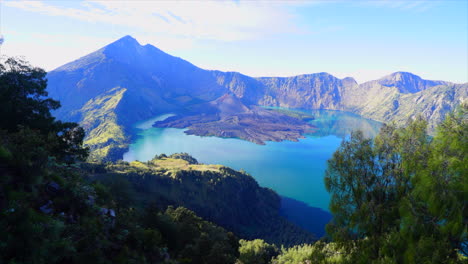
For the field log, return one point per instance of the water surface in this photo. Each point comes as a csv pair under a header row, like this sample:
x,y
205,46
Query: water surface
x,y
292,169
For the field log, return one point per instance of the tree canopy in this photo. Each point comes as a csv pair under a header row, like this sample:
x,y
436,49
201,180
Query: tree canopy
x,y
402,197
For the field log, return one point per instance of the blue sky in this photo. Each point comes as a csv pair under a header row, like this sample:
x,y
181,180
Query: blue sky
x,y
362,39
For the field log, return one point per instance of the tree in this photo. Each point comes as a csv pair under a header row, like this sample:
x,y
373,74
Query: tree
x,y
33,147
24,104
23,97
435,215
256,251
401,197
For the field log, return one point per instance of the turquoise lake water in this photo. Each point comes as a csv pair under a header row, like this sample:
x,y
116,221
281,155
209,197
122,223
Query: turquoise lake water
x,y
292,169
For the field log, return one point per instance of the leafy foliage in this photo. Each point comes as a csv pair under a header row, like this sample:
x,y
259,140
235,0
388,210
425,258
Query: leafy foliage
x,y
402,196
320,252
256,251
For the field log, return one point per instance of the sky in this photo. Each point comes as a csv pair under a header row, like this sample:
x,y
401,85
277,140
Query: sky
x,y
362,39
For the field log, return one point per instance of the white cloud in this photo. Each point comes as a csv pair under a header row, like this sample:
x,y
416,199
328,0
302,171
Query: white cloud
x,y
213,20
169,25
415,5
50,51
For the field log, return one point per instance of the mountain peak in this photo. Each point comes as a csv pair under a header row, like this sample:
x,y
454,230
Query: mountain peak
x,y
349,81
399,76
126,42
407,82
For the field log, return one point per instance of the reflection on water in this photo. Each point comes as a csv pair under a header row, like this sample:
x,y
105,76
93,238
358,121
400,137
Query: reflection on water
x,y
338,123
341,125
293,169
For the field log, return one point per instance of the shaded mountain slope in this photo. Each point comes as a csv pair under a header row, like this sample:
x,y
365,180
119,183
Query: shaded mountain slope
x,y
227,197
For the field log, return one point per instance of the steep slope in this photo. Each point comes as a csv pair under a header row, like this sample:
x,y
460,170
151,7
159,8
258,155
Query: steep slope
x,y
432,104
393,98
311,91
156,82
219,194
106,135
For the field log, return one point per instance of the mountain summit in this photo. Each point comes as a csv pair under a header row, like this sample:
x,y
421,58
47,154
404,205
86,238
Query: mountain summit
x,y
407,82
124,82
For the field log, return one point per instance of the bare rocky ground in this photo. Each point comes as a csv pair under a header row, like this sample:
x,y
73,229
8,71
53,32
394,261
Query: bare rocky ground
x,y
228,117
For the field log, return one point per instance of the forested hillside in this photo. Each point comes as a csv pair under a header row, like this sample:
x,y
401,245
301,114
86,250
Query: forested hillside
x,y
232,199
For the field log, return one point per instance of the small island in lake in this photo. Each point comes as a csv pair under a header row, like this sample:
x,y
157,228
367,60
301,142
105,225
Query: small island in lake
x,y
228,117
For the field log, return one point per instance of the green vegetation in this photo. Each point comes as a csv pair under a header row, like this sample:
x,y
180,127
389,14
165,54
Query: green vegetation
x,y
398,198
236,201
105,136
401,198
256,251
319,252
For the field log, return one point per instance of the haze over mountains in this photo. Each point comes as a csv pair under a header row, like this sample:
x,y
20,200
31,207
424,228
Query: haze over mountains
x,y
124,82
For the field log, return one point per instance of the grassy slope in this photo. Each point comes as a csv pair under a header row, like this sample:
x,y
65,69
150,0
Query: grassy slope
x,y
105,136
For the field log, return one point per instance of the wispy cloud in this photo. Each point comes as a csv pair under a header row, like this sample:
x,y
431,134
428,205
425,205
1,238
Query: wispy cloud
x,y
213,20
414,6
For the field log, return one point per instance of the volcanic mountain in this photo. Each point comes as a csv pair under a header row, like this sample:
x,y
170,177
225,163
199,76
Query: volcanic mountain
x,y
124,82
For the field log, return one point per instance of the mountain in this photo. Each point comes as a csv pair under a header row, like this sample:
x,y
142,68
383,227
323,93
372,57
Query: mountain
x,y
124,82
110,89
407,82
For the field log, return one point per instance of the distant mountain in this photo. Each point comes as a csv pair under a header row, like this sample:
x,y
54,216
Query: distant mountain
x,y
407,82
124,82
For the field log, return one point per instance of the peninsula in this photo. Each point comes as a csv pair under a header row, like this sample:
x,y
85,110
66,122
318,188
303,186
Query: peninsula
x,y
228,117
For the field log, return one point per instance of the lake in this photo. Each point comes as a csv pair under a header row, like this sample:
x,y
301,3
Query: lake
x,y
292,169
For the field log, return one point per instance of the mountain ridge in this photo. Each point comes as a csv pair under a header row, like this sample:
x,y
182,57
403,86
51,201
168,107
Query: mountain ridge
x,y
157,83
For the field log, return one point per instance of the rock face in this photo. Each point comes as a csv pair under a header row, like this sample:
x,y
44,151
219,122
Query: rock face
x,y
90,90
407,82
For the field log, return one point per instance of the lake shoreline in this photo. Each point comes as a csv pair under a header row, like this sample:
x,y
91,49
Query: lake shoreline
x,y
292,169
